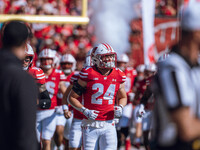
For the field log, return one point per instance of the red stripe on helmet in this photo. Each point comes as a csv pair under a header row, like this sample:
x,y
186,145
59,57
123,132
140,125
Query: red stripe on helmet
x,y
105,45
109,46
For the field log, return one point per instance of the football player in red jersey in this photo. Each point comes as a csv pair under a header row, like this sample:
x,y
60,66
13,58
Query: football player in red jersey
x,y
143,118
99,85
148,100
75,134
46,119
44,101
138,88
150,71
68,66
124,122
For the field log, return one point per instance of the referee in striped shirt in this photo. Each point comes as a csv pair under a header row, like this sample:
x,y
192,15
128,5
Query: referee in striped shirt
x,y
177,88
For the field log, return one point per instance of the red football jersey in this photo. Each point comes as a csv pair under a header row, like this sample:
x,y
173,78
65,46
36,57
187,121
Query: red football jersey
x,y
52,84
140,88
74,77
151,100
101,91
37,74
60,95
130,78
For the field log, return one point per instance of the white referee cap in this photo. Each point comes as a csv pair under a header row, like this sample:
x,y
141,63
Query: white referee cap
x,y
190,16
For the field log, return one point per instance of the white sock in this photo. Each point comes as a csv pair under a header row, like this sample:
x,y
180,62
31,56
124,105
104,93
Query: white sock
x,y
137,140
61,147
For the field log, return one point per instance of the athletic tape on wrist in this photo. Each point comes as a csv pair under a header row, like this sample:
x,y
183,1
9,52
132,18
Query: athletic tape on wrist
x,y
121,106
65,107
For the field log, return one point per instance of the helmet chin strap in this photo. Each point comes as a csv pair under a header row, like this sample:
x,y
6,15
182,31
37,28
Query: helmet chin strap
x,y
109,64
67,71
46,66
140,78
122,68
25,68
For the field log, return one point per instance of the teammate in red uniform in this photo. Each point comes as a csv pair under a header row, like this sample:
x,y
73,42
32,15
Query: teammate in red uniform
x,y
147,102
100,85
68,66
75,134
44,101
144,124
46,119
124,122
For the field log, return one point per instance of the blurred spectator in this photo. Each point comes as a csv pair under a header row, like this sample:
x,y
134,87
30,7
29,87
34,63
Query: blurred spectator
x,y
69,38
169,9
166,8
18,92
158,11
66,38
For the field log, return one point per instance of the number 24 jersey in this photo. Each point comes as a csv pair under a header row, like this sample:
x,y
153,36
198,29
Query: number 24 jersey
x,y
101,91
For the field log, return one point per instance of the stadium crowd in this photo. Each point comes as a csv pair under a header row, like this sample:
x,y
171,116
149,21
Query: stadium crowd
x,y
71,39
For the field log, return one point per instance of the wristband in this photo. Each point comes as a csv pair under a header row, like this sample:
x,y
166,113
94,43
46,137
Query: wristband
x,y
65,107
121,106
82,109
141,105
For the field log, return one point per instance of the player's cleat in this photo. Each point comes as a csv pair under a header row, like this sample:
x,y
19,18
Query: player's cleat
x,y
137,145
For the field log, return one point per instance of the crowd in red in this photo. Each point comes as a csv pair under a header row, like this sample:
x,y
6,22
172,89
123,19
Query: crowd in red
x,y
166,8
67,38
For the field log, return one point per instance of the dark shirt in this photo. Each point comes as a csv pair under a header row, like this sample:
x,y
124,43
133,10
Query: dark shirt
x,y
18,95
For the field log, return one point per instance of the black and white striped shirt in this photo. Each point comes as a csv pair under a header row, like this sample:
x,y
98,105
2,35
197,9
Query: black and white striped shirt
x,y
176,85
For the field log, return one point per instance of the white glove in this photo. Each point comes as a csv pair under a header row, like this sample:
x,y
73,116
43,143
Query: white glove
x,y
116,120
90,114
131,96
59,110
141,110
118,111
65,107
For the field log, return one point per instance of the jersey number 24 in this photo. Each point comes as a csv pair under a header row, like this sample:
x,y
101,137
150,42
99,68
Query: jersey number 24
x,y
109,94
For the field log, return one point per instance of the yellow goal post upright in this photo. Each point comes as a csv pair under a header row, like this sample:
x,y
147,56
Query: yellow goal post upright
x,y
50,19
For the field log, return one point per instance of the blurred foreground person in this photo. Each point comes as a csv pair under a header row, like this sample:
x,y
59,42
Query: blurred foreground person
x,y
176,88
18,92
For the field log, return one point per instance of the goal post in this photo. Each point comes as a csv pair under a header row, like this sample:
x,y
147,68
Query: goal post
x,y
50,19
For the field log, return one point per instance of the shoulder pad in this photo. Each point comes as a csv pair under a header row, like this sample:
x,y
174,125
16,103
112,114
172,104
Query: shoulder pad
x,y
129,68
58,71
117,69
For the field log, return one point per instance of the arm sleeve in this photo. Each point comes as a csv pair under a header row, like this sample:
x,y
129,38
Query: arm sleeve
x,y
84,74
74,78
24,95
40,77
122,76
